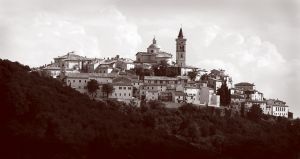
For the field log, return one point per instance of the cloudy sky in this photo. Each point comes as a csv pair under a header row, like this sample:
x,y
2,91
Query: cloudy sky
x,y
253,40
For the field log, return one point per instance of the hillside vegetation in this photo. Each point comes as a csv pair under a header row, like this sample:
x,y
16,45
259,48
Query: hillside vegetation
x,y
40,118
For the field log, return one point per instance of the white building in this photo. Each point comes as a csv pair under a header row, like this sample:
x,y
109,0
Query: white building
x,y
69,63
123,89
78,81
152,89
192,95
278,107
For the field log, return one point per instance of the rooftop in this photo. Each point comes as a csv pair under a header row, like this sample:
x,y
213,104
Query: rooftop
x,y
160,78
87,75
244,84
72,56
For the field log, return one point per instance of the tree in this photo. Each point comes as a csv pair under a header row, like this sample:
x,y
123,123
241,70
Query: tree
x,y
92,87
224,93
192,74
161,68
255,113
140,72
107,88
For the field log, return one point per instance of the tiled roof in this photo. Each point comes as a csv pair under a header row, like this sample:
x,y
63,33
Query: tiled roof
x,y
159,78
164,54
155,84
77,75
84,75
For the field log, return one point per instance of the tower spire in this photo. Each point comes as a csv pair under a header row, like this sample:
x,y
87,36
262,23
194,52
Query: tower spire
x,y
180,35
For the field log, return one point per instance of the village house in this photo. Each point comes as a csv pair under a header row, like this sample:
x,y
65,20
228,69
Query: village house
x,y
122,89
278,108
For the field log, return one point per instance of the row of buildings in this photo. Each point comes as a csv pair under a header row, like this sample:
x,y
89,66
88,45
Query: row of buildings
x,y
128,86
245,93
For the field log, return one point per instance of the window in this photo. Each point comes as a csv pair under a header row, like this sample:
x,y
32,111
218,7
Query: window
x,y
73,80
120,87
124,94
79,87
79,81
152,87
120,94
129,88
129,94
181,56
115,94
85,81
124,88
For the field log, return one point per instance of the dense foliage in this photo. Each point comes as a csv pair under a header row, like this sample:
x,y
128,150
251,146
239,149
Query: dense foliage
x,y
92,86
224,93
40,118
107,89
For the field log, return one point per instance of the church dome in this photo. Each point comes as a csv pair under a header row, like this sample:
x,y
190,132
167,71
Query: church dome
x,y
154,45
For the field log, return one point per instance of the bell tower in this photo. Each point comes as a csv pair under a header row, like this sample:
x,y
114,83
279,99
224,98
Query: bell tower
x,y
180,49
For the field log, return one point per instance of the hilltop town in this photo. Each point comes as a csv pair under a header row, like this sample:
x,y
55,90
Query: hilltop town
x,y
154,76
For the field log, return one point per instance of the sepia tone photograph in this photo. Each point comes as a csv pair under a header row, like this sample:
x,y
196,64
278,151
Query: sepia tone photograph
x,y
149,79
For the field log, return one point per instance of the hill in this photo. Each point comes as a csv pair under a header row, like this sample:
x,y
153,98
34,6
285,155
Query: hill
x,y
40,118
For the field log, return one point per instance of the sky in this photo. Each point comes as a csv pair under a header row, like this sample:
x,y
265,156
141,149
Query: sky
x,y
255,41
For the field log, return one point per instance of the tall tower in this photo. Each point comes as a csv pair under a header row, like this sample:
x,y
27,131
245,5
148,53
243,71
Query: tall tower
x,y
180,49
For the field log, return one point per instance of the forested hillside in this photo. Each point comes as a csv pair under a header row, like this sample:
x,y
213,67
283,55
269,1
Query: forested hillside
x,y
40,118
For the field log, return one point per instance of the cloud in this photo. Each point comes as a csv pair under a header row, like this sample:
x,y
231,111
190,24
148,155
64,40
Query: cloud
x,y
246,58
34,40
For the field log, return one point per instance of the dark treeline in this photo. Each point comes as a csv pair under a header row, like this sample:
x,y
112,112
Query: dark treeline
x,y
40,118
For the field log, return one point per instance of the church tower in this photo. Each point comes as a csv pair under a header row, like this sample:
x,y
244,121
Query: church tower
x,y
180,49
